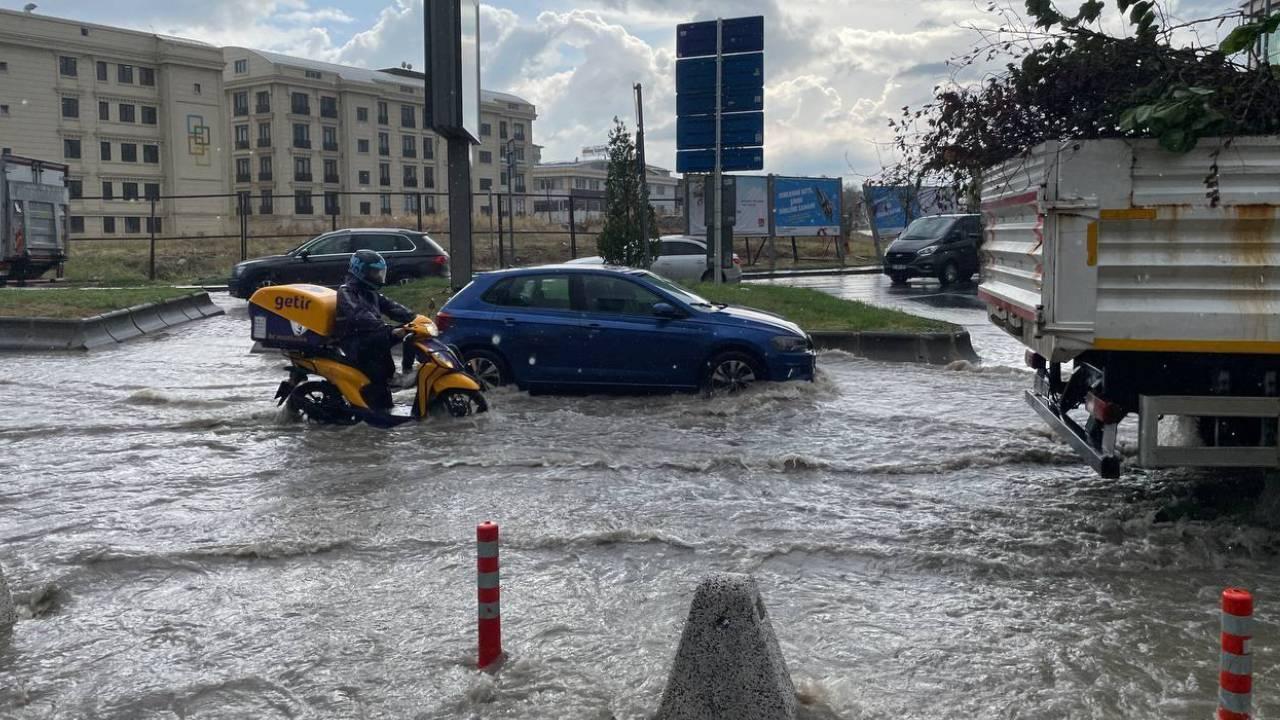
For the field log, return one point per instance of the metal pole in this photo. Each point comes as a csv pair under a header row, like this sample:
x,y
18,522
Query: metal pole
x,y
573,231
333,212
419,203
716,271
492,212
644,177
151,270
511,204
502,258
243,202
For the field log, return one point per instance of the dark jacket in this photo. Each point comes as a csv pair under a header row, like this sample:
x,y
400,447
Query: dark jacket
x,y
360,311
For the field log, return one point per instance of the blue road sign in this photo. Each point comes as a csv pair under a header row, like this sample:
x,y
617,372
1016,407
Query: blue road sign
x,y
731,101
738,35
736,130
740,71
731,159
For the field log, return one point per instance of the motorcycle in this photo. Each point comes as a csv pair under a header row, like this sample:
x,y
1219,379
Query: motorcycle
x,y
299,320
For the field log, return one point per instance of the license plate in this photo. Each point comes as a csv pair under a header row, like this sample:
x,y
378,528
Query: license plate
x,y
897,267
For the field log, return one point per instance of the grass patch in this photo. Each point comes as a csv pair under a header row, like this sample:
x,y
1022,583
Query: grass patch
x,y
424,296
814,310
78,303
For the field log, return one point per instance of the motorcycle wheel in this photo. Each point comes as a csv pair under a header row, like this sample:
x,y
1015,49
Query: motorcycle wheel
x,y
462,403
320,402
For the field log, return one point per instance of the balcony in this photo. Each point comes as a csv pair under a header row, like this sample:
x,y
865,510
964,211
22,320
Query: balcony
x,y
331,179
264,142
411,182
384,151
329,113
241,111
383,120
302,143
302,177
300,109
264,176
384,181
409,154
518,136
243,177
262,109
331,147
242,144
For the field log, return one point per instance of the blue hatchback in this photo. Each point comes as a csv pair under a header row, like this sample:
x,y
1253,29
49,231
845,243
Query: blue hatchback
x,y
576,326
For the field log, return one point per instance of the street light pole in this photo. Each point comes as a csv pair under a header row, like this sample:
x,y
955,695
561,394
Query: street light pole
x,y
644,177
511,184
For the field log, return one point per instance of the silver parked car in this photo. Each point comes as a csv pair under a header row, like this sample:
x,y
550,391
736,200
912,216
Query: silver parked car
x,y
682,258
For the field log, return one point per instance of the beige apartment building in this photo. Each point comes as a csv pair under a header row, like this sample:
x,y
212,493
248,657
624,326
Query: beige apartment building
x,y
310,140
585,181
132,114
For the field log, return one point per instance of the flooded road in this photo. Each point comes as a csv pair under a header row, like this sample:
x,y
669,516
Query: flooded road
x,y
924,548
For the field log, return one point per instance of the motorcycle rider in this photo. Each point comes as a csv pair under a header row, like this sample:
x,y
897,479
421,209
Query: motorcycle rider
x,y
362,335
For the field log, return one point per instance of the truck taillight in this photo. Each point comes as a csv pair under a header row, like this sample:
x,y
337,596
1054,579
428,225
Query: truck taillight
x,y
1104,411
443,321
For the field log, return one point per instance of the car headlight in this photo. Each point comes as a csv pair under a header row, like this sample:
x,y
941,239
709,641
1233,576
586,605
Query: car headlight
x,y
922,252
790,343
237,271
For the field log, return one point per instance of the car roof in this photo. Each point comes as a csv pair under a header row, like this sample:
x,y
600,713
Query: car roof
x,y
565,267
377,229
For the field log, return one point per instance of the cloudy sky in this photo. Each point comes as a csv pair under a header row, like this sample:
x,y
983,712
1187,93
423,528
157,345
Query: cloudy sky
x,y
835,70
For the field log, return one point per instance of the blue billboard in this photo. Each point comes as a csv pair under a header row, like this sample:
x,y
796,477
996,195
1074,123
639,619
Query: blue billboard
x,y
891,208
806,206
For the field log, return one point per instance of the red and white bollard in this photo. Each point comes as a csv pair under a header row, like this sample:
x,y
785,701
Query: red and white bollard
x,y
1235,676
487,595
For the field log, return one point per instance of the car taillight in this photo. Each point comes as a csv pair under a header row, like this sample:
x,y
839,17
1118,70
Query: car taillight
x,y
1104,411
441,260
443,321
737,260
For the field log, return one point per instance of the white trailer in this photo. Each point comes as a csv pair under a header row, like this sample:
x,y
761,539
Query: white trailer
x,y
1157,277
33,217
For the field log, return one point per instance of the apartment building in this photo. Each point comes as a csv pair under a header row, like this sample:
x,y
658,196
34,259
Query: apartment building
x,y
506,154
1269,48
134,115
585,181
312,140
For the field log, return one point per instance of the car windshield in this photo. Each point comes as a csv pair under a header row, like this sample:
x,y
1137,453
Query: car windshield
x,y
926,228
682,294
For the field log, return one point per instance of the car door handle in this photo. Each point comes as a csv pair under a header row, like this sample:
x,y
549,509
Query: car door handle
x,y
509,321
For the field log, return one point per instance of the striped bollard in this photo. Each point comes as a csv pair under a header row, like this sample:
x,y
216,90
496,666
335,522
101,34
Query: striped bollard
x,y
1235,676
487,595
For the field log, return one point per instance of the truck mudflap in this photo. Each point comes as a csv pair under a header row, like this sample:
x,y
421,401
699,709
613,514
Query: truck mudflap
x,y
1264,410
1104,460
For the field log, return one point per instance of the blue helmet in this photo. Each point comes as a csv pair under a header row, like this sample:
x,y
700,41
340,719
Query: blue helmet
x,y
368,267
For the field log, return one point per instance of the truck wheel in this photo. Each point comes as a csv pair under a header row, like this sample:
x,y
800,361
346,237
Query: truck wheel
x,y
950,274
898,278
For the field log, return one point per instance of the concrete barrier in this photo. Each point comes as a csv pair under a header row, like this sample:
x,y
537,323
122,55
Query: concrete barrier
x,y
188,306
934,348
8,616
171,314
26,334
119,325
729,664
147,318
206,306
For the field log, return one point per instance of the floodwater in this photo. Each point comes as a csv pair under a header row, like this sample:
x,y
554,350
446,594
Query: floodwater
x,y
925,549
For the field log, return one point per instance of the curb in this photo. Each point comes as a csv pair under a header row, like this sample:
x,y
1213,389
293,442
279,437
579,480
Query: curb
x,y
933,348
117,326
816,272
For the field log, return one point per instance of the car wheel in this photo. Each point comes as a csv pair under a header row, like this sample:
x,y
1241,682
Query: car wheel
x,y
950,274
488,367
898,278
730,372
265,281
708,277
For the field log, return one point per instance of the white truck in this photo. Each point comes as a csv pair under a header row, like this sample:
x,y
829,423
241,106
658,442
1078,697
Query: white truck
x,y
33,217
1156,276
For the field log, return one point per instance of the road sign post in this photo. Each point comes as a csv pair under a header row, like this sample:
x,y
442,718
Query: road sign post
x,y
717,262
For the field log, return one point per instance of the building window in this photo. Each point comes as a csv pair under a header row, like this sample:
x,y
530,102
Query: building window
x,y
302,136
302,169
102,77
407,116
240,104
127,113
430,203
520,155
124,74
520,183
362,114
502,129
75,188
107,192
331,203
518,131
104,149
428,148
313,74
428,177
362,146
302,203
108,226
410,176
266,205
486,184
264,134
151,191
382,114
154,224
151,154
365,208
502,178
147,76
328,107
71,148
264,168
331,171
242,67
363,177
133,225
486,157
4,112
70,107
129,152
262,102
300,104
148,115
243,174
384,174
486,129
329,135
243,198
411,203
77,223
384,144
408,146
385,202
196,88
67,66
129,191
580,183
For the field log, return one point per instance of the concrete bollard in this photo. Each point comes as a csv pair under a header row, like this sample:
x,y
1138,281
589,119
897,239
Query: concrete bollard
x,y
729,664
8,616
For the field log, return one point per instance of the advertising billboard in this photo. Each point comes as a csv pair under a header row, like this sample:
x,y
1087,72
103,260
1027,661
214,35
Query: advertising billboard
x,y
891,208
752,211
806,206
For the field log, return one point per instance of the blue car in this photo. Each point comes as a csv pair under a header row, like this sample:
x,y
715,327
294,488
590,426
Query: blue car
x,y
596,328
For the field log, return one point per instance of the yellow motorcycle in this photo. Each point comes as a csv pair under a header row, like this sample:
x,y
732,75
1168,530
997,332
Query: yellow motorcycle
x,y
299,320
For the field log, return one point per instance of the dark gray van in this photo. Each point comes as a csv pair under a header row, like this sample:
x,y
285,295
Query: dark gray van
x,y
941,246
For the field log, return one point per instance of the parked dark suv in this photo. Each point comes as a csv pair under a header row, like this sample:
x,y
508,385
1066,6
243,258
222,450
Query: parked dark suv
x,y
941,246
323,260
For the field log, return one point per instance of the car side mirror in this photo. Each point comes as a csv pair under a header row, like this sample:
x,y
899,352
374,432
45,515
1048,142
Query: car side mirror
x,y
667,311
304,254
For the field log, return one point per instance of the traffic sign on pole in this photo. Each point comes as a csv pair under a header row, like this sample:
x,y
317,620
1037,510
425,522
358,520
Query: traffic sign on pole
x,y
740,71
736,130
744,34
